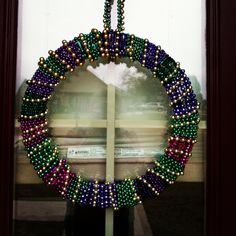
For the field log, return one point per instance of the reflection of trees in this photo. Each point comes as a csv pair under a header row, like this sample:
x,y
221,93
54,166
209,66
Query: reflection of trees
x,y
145,89
140,89
197,90
18,99
196,87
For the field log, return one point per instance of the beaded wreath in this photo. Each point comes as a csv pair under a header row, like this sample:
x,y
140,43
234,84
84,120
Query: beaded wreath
x,y
110,44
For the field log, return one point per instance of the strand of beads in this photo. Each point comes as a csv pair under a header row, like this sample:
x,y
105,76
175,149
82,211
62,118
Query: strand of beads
x,y
107,14
120,15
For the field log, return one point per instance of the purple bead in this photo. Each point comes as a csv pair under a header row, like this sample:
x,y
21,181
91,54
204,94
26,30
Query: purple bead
x,y
162,56
65,55
151,50
112,42
44,77
122,44
156,182
104,199
150,56
39,90
142,190
87,194
76,49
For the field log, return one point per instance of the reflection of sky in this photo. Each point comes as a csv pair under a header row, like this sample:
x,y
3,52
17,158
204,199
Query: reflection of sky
x,y
115,74
178,26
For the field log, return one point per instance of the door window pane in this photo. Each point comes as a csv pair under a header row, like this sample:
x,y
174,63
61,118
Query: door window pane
x,y
78,118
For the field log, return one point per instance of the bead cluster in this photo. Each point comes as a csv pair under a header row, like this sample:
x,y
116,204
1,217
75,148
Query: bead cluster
x,y
45,156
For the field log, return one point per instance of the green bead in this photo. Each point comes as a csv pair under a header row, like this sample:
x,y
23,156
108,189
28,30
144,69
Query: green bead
x,y
169,64
125,193
55,65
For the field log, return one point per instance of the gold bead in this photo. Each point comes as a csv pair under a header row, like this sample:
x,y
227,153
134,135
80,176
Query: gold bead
x,y
94,30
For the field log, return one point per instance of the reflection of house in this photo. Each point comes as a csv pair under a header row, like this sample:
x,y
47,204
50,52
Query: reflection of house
x,y
82,95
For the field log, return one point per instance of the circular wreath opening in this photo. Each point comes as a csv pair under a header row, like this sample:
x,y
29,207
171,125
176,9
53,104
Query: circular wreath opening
x,y
43,153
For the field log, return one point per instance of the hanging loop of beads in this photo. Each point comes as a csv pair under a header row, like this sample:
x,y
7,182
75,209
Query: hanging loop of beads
x,y
120,15
107,14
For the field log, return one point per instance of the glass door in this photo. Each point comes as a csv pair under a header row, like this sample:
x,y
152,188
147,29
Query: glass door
x,y
111,113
